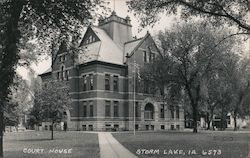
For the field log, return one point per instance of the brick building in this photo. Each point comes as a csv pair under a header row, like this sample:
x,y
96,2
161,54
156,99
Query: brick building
x,y
102,82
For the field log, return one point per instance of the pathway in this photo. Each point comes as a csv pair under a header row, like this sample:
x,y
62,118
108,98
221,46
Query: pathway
x,y
111,148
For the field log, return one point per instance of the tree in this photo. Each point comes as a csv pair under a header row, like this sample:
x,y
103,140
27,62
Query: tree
x,y
238,74
218,97
232,12
51,103
18,103
194,49
25,20
35,116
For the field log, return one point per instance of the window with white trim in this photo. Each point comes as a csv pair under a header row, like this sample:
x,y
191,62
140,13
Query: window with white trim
x,y
91,82
84,83
116,109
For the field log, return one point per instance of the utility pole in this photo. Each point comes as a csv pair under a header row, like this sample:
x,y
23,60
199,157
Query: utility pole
x,y
1,131
134,93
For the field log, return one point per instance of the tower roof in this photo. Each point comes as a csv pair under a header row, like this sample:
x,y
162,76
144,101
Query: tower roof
x,y
114,17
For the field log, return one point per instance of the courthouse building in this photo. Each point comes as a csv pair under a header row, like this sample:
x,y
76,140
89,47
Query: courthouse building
x,y
101,81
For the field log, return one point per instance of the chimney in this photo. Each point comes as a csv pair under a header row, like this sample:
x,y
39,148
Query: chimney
x,y
119,29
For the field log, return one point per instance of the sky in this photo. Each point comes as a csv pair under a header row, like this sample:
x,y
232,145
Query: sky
x,y
121,10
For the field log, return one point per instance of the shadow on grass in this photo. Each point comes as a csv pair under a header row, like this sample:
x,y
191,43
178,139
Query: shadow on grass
x,y
34,140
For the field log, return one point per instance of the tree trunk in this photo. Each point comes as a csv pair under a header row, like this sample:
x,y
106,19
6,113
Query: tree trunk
x,y
1,132
210,118
222,128
9,58
195,118
235,122
52,131
208,124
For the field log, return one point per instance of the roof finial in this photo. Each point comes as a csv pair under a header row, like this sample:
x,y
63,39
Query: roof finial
x,y
114,5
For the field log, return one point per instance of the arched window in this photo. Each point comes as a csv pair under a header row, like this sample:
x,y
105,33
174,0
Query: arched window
x,y
149,111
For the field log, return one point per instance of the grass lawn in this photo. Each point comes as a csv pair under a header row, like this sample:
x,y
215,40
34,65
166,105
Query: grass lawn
x,y
224,144
69,144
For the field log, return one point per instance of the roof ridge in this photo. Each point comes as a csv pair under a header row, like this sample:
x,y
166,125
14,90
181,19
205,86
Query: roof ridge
x,y
139,44
133,40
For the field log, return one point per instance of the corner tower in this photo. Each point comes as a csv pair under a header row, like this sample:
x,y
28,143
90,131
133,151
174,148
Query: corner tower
x,y
119,29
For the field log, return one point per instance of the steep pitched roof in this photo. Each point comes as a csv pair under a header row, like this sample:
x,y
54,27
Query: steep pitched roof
x,y
49,70
134,45
103,50
130,46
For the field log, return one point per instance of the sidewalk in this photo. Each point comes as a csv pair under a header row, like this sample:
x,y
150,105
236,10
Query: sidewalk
x,y
111,148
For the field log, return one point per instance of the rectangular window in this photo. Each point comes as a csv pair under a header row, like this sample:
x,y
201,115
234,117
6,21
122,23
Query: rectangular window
x,y
148,57
116,127
146,86
137,109
145,56
91,81
91,109
107,82
84,128
162,127
172,127
177,112
67,75
116,109
152,57
107,109
58,76
162,111
84,109
115,84
172,112
90,127
84,83
108,127
136,127
90,39
177,127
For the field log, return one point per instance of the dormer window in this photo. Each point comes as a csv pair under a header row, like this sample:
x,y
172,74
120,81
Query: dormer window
x,y
90,39
62,58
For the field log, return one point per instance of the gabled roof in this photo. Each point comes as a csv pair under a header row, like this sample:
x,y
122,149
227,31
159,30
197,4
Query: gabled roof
x,y
138,44
104,50
130,46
